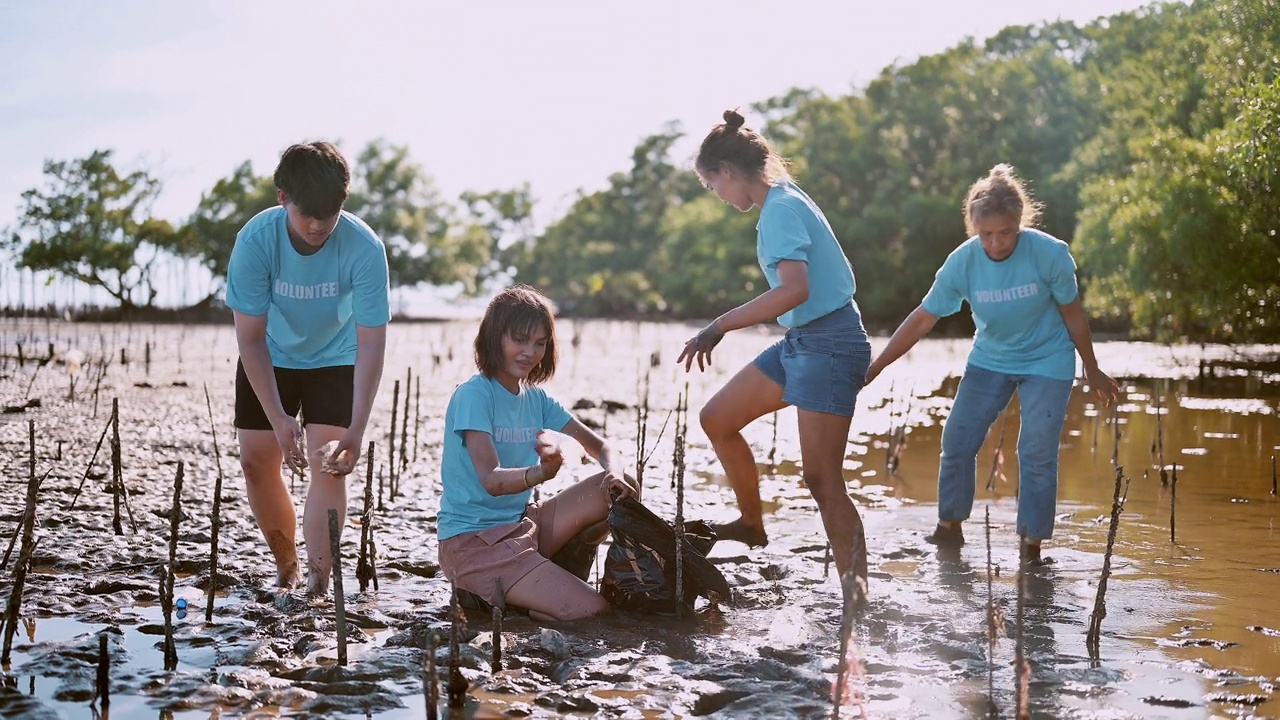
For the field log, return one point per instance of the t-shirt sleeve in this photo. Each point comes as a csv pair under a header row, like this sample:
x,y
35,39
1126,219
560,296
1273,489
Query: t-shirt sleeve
x,y
370,287
784,236
946,295
1060,274
554,415
473,410
249,275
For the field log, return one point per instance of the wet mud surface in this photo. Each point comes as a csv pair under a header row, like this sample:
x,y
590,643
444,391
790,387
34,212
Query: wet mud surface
x,y
1190,630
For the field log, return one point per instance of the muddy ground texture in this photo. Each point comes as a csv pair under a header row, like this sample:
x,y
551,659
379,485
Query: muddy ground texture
x,y
770,651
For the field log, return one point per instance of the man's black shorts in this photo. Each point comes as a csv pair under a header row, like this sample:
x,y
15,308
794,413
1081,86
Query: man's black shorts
x,y
323,394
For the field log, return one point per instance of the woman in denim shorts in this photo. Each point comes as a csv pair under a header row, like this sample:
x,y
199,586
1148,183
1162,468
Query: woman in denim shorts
x,y
819,364
1020,284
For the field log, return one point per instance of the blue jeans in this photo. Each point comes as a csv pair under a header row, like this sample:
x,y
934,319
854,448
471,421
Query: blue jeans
x,y
981,397
821,366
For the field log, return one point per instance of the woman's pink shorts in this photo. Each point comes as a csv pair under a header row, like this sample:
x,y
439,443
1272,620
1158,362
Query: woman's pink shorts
x,y
477,560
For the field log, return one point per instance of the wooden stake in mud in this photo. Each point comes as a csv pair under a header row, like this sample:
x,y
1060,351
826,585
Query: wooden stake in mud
x,y
1273,474
1159,443
992,629
430,679
1173,505
1115,428
97,383
391,443
215,515
166,599
457,688
24,556
642,428
404,424
1094,635
417,414
495,662
997,458
102,690
381,507
339,602
1022,668
116,485
1097,421
117,462
364,569
773,446
677,470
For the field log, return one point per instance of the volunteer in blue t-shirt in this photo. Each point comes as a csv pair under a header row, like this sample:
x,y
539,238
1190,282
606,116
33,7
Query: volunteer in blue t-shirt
x,y
1020,284
819,364
307,284
495,542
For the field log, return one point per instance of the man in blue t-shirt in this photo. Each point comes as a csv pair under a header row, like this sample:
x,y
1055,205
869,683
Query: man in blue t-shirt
x,y
308,285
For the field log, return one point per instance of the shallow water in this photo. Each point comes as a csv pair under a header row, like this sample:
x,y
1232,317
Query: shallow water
x,y
1190,630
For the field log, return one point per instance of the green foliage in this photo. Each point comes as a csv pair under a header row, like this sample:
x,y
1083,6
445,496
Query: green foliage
x,y
210,232
602,257
91,223
1152,138
397,199
1179,219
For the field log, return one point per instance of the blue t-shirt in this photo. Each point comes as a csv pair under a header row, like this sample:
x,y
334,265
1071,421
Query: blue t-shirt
x,y
1014,303
792,227
312,302
513,421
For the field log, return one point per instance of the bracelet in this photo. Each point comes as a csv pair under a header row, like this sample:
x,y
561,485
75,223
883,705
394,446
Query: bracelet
x,y
526,477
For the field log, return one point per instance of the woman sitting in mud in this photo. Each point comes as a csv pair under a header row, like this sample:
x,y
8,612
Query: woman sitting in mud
x,y
494,541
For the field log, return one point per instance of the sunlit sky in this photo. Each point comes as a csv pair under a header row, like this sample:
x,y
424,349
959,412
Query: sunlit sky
x,y
486,95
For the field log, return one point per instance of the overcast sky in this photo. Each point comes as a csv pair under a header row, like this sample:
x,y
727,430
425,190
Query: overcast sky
x,y
485,94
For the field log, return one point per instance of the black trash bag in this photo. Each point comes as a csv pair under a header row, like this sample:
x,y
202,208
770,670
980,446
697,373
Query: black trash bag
x,y
640,566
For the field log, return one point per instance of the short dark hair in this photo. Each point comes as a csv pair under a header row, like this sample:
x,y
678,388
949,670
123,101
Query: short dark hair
x,y
315,177
518,310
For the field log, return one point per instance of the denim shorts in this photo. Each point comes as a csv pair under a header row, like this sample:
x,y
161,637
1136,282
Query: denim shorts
x,y
822,365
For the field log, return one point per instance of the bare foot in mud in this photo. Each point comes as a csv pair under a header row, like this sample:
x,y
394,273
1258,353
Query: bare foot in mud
x,y
317,587
317,581
739,531
287,578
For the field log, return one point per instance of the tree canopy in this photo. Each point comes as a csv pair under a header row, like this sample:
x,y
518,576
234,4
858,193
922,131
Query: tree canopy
x,y
1151,137
92,223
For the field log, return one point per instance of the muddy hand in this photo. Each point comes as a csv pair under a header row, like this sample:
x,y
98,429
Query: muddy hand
x,y
616,486
336,458
1103,385
699,348
549,455
289,437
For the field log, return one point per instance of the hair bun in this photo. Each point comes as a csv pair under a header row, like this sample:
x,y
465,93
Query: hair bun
x,y
733,120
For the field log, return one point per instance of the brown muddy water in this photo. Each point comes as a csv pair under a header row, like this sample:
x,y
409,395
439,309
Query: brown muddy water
x,y
1191,631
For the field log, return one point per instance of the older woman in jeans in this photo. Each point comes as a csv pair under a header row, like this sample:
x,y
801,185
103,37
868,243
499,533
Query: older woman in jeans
x,y
1020,284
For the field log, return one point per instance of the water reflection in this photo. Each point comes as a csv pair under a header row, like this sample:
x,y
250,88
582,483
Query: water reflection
x,y
1186,619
